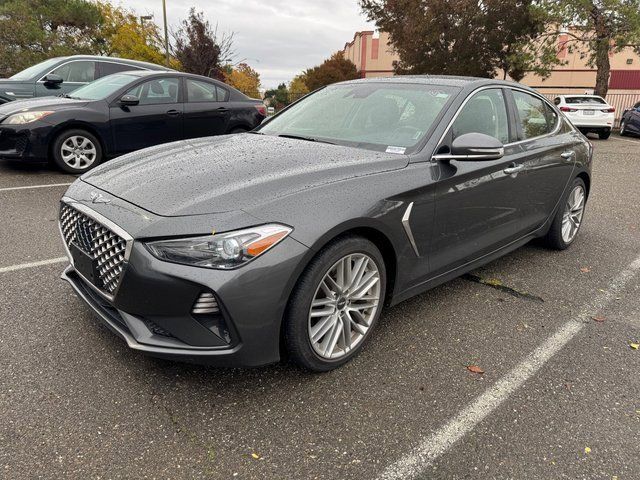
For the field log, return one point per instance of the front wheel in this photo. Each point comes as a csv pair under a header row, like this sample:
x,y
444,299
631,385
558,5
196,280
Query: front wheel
x,y
623,129
568,220
336,304
77,151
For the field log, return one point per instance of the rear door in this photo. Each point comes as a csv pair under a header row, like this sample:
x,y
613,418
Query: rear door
x,y
109,68
478,203
548,154
206,109
156,119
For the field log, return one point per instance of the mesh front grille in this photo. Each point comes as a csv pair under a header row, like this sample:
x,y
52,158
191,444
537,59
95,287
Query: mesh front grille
x,y
105,247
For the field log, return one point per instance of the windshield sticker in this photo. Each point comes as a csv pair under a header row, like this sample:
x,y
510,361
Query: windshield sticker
x,y
398,150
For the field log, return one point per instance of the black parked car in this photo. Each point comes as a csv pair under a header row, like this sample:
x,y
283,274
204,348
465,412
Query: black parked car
x,y
122,113
235,250
630,122
64,74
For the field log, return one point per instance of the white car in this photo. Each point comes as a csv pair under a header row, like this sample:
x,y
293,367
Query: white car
x,y
589,113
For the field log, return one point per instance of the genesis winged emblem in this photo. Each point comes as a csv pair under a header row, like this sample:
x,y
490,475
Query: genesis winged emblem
x,y
99,198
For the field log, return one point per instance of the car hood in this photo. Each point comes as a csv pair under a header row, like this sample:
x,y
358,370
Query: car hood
x,y
42,103
233,172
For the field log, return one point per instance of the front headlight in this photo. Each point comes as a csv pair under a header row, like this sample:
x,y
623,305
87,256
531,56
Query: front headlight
x,y
223,251
25,117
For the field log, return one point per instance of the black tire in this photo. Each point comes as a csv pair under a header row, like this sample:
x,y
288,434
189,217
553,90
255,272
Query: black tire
x,y
553,239
604,135
82,167
296,328
622,128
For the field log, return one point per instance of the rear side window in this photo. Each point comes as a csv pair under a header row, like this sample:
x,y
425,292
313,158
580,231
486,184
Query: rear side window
x,y
78,72
108,68
205,92
534,115
485,112
585,100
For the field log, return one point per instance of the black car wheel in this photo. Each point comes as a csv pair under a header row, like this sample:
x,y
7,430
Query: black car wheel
x,y
623,130
604,135
77,151
336,304
568,219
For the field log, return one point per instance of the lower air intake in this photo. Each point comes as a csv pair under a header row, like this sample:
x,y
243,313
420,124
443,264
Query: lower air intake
x,y
206,304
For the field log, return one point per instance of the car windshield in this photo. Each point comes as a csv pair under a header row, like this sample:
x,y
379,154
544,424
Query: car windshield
x,y
585,100
101,89
390,117
38,70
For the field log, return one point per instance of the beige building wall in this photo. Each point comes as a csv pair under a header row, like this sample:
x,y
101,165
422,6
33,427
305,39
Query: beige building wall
x,y
371,54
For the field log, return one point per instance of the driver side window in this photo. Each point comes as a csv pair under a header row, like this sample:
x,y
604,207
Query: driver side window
x,y
485,112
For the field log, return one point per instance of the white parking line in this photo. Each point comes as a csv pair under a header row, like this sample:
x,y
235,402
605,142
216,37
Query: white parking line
x,y
466,420
23,266
8,189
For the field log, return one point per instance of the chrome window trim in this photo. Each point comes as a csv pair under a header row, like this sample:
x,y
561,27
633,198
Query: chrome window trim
x,y
108,224
502,87
89,60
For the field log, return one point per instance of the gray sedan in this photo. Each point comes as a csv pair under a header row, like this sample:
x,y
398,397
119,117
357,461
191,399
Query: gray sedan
x,y
288,241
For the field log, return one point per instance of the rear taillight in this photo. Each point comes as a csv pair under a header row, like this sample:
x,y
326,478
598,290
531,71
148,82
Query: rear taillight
x,y
568,109
609,110
262,110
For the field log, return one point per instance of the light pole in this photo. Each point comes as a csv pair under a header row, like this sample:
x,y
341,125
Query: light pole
x,y
166,33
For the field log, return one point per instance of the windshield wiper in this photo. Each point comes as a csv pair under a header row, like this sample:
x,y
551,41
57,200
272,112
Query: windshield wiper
x,y
302,137
66,95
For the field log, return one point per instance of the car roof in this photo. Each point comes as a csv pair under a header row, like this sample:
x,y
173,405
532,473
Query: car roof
x,y
443,80
137,63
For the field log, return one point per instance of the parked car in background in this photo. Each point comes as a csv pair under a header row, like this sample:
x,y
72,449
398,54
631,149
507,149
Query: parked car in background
x,y
630,122
234,250
589,113
62,75
122,113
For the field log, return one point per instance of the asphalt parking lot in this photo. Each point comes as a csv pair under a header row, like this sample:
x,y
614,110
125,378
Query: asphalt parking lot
x,y
560,396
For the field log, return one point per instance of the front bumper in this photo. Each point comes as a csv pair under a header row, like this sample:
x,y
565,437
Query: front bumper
x,y
28,142
153,307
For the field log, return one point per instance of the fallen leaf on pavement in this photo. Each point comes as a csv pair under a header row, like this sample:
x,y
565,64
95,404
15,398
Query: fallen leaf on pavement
x,y
585,269
256,456
599,319
587,450
635,346
475,369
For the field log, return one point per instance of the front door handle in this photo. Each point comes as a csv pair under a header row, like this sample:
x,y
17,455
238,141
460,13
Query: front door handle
x,y
568,155
223,110
514,169
173,113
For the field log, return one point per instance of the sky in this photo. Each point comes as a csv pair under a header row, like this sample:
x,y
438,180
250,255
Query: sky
x,y
279,38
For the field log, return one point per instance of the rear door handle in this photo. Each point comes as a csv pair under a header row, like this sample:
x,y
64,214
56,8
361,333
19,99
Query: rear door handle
x,y
568,155
173,113
223,110
514,169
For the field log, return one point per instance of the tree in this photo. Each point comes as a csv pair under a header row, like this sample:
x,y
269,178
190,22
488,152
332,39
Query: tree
x,y
122,35
199,49
245,79
465,37
600,26
298,87
34,30
278,97
335,69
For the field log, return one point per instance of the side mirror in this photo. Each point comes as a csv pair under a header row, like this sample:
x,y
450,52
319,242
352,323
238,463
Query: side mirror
x,y
129,100
52,79
474,147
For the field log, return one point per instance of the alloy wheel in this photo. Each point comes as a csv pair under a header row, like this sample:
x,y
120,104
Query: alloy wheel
x,y
622,127
573,212
344,306
78,152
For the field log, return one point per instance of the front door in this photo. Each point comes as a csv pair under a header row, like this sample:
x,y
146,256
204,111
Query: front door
x,y
155,120
478,203
75,74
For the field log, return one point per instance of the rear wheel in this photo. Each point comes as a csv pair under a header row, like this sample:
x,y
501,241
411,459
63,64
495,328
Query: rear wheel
x,y
568,220
336,304
77,151
604,135
623,128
